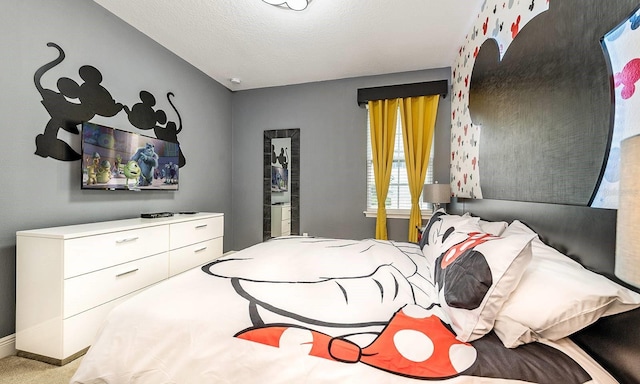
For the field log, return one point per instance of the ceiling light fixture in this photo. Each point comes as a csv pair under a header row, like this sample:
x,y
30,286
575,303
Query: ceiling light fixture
x,y
296,5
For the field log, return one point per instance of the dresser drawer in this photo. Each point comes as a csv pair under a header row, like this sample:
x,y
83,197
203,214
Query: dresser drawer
x,y
68,278
185,258
93,289
80,330
195,231
92,253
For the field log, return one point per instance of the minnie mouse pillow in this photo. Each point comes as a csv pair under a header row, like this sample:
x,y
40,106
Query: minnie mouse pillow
x,y
474,275
440,226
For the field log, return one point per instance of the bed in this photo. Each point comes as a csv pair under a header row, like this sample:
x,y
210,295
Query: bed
x,y
477,301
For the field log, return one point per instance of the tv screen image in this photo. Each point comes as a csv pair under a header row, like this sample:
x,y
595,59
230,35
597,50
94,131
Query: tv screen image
x,y
114,159
279,179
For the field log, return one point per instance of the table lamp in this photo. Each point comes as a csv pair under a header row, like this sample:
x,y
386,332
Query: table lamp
x,y
436,194
627,265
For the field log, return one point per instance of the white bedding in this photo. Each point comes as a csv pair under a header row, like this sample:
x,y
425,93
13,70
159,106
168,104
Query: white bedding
x,y
182,330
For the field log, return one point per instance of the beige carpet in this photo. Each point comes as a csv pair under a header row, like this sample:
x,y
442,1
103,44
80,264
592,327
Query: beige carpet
x,y
18,370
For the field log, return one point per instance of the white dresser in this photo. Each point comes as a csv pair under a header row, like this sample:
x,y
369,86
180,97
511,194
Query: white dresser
x,y
68,278
280,220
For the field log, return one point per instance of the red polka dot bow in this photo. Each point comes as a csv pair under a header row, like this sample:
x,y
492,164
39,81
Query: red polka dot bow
x,y
415,344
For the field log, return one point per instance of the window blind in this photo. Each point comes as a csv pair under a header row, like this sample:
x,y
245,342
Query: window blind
x,y
398,197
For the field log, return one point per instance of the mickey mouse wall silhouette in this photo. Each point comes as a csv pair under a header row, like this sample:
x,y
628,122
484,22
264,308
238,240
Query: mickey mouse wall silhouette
x,y
93,99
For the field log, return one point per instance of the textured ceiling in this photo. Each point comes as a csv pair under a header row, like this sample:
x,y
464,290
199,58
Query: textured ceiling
x,y
265,45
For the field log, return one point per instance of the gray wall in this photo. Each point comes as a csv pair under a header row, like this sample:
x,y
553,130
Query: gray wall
x,y
332,154
41,192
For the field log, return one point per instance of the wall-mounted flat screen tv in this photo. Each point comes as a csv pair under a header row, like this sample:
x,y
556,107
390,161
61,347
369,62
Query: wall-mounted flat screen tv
x,y
279,179
114,159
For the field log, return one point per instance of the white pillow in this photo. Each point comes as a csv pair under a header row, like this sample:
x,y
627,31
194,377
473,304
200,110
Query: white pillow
x,y
474,274
493,227
556,297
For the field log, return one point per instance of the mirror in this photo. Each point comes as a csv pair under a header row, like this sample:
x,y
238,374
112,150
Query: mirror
x,y
281,183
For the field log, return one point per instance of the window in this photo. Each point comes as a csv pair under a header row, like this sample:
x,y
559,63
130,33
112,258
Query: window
x,y
398,198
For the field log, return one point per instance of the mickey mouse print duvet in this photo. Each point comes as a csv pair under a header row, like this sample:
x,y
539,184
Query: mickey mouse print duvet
x,y
317,310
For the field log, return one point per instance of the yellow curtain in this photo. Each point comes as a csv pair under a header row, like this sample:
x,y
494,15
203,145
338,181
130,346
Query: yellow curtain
x,y
418,123
382,121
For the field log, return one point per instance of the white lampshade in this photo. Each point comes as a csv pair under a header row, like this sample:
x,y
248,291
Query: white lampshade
x,y
436,194
627,266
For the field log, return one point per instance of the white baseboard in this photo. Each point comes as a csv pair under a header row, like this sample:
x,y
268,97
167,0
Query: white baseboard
x,y
8,346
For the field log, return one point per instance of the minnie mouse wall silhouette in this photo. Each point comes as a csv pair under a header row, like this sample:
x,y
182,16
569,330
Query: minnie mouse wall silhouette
x,y
88,100
143,116
170,132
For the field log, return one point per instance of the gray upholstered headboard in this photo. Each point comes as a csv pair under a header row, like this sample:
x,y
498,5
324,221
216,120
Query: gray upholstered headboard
x,y
588,236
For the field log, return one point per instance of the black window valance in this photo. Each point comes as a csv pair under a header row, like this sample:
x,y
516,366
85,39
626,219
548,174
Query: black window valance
x,y
439,87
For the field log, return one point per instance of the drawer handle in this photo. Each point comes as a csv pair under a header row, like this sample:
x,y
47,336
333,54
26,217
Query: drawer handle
x,y
127,240
200,249
201,226
126,273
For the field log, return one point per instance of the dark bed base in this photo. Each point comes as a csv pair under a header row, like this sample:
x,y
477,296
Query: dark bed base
x,y
588,236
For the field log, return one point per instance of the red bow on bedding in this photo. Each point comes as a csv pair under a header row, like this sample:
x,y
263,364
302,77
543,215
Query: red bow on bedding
x,y
412,345
474,239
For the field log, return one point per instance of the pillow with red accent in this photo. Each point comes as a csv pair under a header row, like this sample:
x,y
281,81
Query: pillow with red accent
x,y
439,227
474,276
556,296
